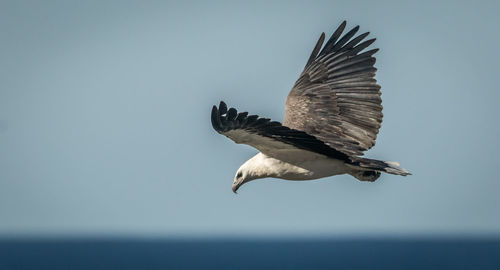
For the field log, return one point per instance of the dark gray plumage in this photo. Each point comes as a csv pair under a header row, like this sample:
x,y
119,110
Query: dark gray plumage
x,y
224,120
336,98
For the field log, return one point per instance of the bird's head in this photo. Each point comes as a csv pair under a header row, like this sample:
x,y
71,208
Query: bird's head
x,y
238,180
242,176
250,170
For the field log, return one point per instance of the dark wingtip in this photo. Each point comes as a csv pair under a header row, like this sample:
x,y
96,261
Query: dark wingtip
x,y
241,116
215,117
333,39
231,114
222,108
370,41
342,25
316,49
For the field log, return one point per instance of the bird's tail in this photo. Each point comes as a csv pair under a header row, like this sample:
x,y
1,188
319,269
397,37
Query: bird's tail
x,y
367,164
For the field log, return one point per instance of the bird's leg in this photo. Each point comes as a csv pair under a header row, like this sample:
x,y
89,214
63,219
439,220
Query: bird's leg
x,y
369,176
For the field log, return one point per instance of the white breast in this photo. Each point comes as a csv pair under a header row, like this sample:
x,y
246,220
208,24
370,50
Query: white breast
x,y
300,165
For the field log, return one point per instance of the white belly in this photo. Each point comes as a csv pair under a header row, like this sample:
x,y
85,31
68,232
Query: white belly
x,y
304,166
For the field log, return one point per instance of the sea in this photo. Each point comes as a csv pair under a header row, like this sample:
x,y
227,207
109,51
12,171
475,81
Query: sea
x,y
248,253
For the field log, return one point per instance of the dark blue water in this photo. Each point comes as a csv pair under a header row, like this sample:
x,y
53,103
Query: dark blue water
x,y
249,254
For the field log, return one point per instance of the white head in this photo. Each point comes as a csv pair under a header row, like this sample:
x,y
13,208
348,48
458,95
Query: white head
x,y
252,169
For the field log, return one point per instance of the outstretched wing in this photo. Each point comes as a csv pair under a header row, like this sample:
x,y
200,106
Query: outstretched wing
x,y
336,98
267,136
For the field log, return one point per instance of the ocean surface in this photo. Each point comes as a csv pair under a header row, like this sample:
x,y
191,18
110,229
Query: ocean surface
x,y
96,253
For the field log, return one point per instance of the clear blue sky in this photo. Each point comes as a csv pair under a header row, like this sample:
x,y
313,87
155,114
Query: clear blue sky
x,y
105,108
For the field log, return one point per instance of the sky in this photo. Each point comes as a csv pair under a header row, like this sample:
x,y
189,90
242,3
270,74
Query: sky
x,y
105,118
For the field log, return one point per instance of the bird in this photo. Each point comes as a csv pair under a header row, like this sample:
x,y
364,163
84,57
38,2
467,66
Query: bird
x,y
333,114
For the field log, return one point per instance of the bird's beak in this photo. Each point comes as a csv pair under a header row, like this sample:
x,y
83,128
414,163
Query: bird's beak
x,y
237,184
235,187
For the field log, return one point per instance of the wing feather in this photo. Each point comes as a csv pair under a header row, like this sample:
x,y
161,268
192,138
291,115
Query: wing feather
x,y
336,98
265,135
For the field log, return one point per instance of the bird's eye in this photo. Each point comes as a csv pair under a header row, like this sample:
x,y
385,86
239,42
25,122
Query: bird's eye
x,y
239,175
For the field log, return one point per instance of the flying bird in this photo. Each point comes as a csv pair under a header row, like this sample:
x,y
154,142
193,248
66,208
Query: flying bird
x,y
332,115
